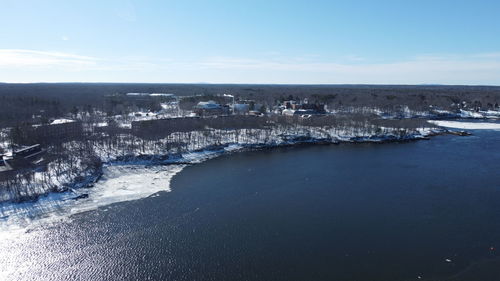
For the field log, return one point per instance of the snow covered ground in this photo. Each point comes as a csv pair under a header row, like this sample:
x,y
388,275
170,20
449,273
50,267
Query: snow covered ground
x,y
467,125
406,113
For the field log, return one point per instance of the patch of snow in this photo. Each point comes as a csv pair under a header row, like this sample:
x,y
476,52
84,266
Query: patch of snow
x,y
491,114
61,121
467,125
161,95
125,125
470,114
442,111
102,124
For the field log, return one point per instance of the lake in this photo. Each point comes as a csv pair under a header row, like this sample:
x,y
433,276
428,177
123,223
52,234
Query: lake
x,y
426,210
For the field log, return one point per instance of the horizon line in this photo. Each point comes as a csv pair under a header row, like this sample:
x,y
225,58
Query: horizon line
x,y
263,84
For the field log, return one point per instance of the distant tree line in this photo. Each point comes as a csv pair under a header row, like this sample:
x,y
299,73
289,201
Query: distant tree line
x,y
38,103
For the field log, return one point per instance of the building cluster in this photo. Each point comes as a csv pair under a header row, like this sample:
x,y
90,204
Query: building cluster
x,y
250,107
211,108
301,108
210,114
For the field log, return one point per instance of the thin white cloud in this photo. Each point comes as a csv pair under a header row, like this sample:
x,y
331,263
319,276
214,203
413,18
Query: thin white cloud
x,y
34,58
451,69
488,55
354,58
428,68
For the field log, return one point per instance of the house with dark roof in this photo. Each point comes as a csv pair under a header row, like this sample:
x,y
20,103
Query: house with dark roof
x,y
25,158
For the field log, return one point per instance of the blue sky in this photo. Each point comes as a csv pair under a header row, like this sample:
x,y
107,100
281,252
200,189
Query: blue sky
x,y
224,41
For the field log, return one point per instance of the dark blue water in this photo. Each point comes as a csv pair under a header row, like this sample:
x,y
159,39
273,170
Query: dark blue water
x,y
364,212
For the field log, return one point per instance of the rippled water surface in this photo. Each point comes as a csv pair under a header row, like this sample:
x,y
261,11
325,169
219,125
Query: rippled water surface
x,y
427,210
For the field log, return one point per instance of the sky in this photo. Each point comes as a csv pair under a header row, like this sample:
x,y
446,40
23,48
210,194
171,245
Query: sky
x,y
258,41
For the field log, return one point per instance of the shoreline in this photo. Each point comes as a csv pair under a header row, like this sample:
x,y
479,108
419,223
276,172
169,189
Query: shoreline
x,y
71,175
82,187
201,155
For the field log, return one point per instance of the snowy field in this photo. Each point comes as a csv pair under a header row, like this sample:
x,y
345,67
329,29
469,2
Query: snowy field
x,y
467,125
